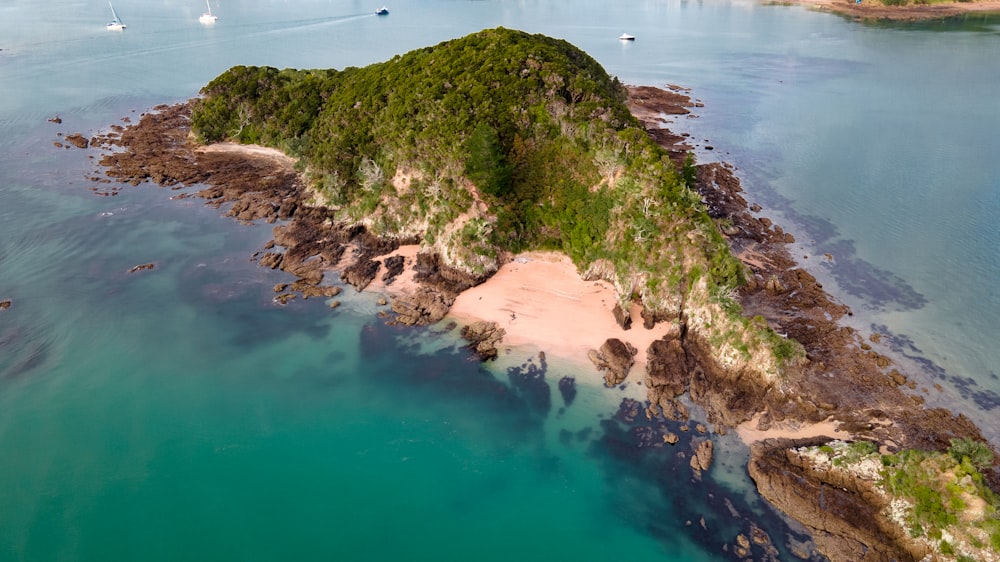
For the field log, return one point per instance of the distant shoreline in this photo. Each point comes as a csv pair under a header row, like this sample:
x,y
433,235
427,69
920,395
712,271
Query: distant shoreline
x,y
876,10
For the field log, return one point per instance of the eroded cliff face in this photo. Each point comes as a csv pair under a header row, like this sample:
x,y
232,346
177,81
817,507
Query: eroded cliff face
x,y
844,513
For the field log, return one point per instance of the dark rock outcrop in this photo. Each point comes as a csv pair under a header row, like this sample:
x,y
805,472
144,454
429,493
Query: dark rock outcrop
x,y
843,512
5,304
667,370
622,317
393,267
484,338
360,273
616,358
78,140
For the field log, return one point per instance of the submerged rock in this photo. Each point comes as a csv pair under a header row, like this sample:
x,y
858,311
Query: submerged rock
x,y
567,387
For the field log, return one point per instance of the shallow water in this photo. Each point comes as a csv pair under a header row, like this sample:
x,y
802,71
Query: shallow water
x,y
177,412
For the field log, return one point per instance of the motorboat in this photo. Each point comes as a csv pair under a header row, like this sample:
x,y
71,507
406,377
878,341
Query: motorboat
x,y
207,18
383,11
626,37
115,24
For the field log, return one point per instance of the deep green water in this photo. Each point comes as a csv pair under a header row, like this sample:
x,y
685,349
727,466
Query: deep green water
x,y
178,413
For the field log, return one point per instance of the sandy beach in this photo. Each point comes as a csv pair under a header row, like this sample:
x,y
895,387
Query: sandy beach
x,y
540,300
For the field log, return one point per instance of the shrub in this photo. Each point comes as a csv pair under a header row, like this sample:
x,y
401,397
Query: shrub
x,y
968,450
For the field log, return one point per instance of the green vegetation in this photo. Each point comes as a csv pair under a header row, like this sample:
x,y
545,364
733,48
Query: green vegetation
x,y
497,142
943,495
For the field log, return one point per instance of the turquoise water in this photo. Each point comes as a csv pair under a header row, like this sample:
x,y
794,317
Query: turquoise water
x,y
178,413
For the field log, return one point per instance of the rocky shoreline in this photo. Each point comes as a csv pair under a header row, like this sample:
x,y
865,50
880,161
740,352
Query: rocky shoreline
x,y
841,380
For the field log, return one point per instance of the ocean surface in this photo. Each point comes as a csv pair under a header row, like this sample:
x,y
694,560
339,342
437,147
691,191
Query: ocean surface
x,y
178,413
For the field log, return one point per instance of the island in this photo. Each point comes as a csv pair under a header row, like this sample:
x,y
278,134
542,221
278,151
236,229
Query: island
x,y
439,173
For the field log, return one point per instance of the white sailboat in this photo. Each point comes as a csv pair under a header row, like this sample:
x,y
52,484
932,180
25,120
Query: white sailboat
x,y
207,18
116,24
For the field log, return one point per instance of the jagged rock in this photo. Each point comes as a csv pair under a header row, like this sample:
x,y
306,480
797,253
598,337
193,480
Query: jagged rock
x,y
616,358
5,304
360,273
622,317
78,140
310,272
280,287
670,438
334,304
484,338
843,513
701,459
669,409
774,285
422,307
271,260
141,267
393,267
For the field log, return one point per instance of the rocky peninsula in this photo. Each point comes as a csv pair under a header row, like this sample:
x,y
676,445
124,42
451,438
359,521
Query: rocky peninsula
x,y
900,10
697,288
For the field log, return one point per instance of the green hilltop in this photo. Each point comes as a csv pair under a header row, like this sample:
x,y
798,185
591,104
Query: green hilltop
x,y
496,143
